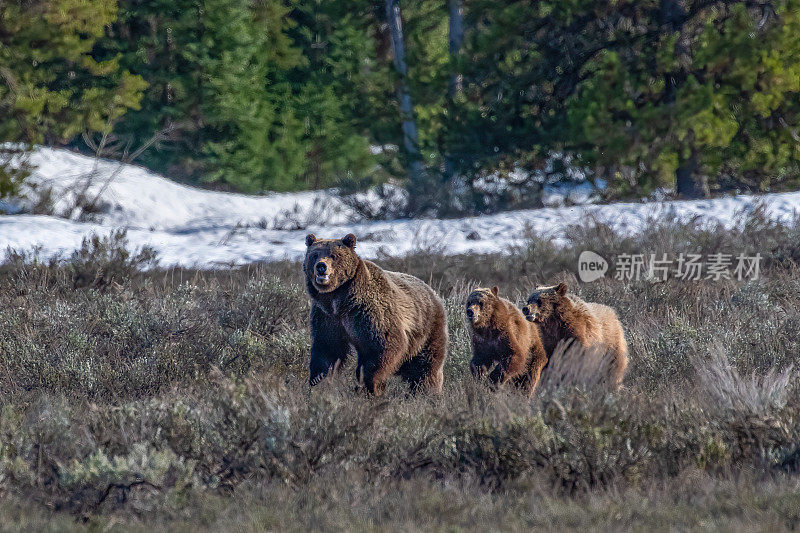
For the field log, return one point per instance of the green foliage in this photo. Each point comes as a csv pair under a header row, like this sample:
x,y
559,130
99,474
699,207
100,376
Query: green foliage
x,y
218,87
267,94
733,100
643,92
14,168
251,136
426,35
252,95
340,87
52,87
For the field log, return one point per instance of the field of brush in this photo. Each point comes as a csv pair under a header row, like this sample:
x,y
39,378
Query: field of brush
x,y
143,398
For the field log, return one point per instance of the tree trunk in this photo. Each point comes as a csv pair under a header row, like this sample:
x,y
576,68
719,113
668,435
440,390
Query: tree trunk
x,y
456,27
456,8
689,183
409,125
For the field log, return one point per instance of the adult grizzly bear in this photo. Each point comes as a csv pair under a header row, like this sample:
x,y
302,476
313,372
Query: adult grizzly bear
x,y
395,322
564,317
500,334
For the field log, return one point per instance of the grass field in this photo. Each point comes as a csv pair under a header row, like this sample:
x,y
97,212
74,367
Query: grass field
x,y
138,399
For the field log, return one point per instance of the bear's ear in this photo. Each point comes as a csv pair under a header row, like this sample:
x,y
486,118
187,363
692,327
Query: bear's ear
x,y
495,290
349,241
561,289
310,239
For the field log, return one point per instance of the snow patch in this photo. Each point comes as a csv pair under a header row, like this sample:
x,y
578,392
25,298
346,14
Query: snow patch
x,y
196,228
131,196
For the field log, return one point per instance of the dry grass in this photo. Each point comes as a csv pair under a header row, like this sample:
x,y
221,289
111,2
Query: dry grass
x,y
178,399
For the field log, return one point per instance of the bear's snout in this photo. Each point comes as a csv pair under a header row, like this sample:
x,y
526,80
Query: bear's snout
x,y
529,313
322,273
473,314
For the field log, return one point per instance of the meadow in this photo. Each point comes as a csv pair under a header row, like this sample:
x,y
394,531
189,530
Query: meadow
x,y
136,398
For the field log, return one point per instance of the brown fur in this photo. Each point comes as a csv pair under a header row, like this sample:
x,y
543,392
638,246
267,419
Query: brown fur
x,y
565,317
394,321
500,334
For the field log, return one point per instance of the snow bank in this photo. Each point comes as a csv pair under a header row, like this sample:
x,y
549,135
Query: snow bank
x,y
192,227
133,197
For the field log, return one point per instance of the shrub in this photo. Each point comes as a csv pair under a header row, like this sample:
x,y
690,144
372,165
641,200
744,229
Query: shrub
x,y
166,396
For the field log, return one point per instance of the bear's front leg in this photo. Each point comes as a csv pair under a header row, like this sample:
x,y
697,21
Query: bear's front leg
x,y
512,365
371,373
538,362
482,360
377,363
367,375
496,376
329,346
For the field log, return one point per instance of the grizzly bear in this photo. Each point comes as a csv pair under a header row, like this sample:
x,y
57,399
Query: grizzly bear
x,y
501,335
394,321
564,317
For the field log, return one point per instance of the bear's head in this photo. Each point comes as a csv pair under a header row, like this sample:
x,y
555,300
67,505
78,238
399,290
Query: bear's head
x,y
481,305
330,263
543,301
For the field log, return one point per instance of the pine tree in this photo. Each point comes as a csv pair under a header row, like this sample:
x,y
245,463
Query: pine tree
x,y
160,41
218,74
660,93
712,89
51,86
335,86
254,138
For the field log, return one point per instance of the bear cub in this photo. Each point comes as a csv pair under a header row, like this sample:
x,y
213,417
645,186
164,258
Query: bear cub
x,y
564,317
395,322
502,336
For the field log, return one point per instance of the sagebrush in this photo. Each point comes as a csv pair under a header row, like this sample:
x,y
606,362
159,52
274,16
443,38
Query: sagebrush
x,y
174,396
